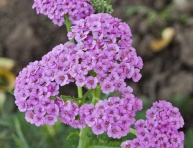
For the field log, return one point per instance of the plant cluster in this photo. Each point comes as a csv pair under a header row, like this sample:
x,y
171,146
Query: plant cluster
x,y
99,57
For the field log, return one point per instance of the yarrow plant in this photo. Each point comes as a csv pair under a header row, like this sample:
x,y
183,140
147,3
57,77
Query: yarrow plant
x,y
98,57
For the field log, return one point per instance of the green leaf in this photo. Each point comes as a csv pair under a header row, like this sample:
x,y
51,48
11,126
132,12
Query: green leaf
x,y
102,138
86,95
20,134
66,98
73,135
18,141
93,73
11,91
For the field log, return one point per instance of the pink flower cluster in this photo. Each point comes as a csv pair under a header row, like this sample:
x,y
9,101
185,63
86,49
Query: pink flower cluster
x,y
88,67
114,116
71,114
64,64
32,93
56,9
160,129
33,90
107,41
106,61
32,87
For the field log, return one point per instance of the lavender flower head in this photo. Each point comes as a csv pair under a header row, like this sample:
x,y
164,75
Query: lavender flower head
x,y
105,43
160,129
33,91
38,82
114,116
56,9
66,63
73,115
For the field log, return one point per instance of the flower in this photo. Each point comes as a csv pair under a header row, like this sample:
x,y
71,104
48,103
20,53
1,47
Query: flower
x,y
40,81
107,43
56,9
113,116
160,129
72,115
35,86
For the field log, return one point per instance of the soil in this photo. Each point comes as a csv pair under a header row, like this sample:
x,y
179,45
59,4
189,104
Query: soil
x,y
26,36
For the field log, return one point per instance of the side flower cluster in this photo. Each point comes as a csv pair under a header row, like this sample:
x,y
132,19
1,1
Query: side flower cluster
x,y
56,9
160,129
114,116
33,90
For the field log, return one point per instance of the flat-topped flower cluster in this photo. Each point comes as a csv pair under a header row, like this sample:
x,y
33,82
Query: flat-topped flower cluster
x,y
56,9
108,39
114,116
160,129
41,80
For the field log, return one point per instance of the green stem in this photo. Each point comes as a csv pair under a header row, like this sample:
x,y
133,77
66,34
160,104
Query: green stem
x,y
83,133
67,23
85,96
108,1
83,138
79,92
133,131
95,94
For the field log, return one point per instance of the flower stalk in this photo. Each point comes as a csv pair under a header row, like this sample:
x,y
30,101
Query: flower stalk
x,y
133,131
83,138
